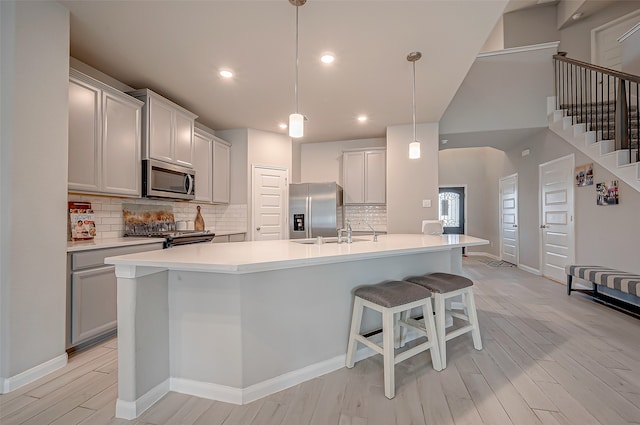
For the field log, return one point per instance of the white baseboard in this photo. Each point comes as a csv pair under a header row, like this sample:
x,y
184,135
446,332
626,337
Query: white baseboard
x,y
529,269
270,386
132,409
28,376
262,389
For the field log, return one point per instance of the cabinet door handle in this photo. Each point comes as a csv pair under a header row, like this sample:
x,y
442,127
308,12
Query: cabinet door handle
x,y
258,229
515,225
542,226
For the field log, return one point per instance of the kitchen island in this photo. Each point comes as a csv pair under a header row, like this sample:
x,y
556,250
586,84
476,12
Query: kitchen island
x,y
237,322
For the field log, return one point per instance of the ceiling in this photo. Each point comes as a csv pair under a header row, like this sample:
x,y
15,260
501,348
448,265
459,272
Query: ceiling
x,y
177,47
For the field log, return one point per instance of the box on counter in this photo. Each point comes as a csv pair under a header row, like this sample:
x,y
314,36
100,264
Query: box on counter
x,y
82,219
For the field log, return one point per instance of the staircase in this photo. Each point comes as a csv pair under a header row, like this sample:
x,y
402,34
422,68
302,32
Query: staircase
x,y
597,112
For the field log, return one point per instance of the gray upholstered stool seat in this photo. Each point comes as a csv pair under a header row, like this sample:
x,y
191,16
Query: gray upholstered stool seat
x,y
392,293
391,298
441,282
445,286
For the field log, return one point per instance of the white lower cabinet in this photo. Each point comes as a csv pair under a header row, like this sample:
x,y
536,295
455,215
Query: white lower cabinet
x,y
92,295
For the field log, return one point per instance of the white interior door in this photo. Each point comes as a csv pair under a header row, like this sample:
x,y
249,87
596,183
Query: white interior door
x,y
556,217
509,219
605,48
270,203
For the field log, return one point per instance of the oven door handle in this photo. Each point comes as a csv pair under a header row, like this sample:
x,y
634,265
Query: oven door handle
x,y
189,183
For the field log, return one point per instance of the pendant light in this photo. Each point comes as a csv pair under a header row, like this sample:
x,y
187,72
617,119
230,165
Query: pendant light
x,y
414,147
296,120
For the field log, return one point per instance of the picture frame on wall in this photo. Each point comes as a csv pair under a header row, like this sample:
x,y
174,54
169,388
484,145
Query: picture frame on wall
x,y
584,175
607,194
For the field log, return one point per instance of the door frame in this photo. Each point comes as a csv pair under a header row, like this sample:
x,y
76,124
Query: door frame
x,y
517,216
251,206
572,255
466,196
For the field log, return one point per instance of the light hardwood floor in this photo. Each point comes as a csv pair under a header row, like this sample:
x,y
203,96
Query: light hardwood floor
x,y
547,359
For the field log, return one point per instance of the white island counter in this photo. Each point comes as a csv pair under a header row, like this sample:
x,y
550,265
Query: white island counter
x,y
236,322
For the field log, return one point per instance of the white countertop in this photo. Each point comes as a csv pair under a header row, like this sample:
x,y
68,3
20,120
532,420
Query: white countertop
x,y
256,256
75,246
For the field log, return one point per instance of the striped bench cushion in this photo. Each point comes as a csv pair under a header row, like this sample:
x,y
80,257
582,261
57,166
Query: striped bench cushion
x,y
614,279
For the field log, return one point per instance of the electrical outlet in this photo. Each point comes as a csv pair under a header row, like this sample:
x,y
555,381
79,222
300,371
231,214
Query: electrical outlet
x,y
426,203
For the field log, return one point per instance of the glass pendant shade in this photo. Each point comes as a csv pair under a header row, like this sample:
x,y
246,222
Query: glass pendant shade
x,y
414,150
296,125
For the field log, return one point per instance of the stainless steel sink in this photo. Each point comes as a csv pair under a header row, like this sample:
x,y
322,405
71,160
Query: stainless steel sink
x,y
324,240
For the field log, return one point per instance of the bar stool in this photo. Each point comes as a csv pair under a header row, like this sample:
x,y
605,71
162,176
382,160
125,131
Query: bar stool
x,y
445,286
390,298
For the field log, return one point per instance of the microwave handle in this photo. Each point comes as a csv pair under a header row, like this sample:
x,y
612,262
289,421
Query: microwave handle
x,y
189,182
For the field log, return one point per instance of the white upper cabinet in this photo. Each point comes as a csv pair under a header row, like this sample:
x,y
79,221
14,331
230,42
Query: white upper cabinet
x,y
221,171
203,164
104,138
364,176
211,162
167,129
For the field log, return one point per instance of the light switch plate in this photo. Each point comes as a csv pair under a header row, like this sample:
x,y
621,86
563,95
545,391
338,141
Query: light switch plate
x,y
426,203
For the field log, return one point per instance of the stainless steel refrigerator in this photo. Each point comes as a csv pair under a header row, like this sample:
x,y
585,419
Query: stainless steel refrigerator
x,y
315,209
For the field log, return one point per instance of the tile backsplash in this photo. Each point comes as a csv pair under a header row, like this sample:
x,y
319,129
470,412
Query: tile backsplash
x,y
375,215
110,224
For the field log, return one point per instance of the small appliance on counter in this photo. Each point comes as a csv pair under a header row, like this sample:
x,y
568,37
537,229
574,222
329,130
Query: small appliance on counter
x,y
157,221
315,209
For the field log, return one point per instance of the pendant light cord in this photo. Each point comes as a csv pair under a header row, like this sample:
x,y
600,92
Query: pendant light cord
x,y
414,100
297,61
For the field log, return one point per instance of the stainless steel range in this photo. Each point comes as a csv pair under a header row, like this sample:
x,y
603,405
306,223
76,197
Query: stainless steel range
x,y
158,221
178,237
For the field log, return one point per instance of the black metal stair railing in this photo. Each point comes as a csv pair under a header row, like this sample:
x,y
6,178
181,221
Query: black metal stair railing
x,y
605,100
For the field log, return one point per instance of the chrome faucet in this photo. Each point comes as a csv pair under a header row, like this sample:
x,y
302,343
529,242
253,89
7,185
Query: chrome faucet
x,y
375,235
348,231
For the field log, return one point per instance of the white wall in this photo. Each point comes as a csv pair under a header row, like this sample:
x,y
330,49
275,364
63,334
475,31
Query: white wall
x,y
409,181
33,191
322,162
496,38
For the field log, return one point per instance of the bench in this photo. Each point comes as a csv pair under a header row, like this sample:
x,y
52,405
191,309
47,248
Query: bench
x,y
628,283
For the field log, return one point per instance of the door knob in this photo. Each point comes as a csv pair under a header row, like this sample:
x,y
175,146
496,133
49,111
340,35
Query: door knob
x,y
258,229
515,225
542,226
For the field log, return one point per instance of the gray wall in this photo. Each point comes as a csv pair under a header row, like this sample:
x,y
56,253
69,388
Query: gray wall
x,y
33,190
479,169
409,181
530,26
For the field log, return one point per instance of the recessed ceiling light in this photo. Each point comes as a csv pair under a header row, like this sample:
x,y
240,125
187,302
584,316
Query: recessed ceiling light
x,y
362,118
282,125
444,141
225,73
328,58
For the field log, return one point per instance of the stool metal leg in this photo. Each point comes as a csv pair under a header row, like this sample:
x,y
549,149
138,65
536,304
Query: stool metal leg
x,y
356,321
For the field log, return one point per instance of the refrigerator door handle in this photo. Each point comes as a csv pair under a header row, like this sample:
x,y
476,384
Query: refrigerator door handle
x,y
308,217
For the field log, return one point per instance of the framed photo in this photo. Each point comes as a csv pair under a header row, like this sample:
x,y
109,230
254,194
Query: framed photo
x,y
584,175
607,194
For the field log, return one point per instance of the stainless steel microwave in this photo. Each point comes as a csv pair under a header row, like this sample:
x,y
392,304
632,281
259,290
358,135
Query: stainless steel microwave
x,y
163,180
